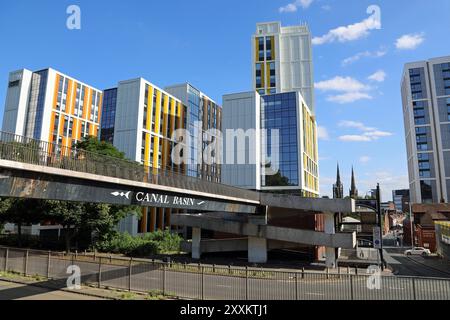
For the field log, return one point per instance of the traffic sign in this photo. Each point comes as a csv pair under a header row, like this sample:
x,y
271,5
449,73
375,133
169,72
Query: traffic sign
x,y
377,237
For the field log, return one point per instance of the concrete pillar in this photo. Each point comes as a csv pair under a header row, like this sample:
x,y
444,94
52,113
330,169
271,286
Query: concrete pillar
x,y
330,253
257,250
196,240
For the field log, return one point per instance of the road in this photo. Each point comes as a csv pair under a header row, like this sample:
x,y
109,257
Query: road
x,y
15,291
261,284
418,266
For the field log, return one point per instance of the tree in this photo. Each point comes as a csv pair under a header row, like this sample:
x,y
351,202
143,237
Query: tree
x,y
22,212
92,144
277,180
79,219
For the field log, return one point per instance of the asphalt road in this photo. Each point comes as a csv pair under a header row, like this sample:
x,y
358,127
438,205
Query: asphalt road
x,y
14,291
417,266
266,286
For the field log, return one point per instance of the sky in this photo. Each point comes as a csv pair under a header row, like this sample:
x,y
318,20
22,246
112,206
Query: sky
x,y
358,57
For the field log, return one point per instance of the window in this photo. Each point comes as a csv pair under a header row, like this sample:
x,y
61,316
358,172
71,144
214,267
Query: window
x,y
419,112
426,191
13,84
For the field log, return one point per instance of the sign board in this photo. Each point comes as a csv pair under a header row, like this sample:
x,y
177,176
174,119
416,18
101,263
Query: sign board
x,y
377,238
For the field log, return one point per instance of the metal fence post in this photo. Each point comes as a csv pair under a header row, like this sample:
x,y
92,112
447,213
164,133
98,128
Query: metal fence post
x,y
303,273
130,273
414,288
203,283
25,269
48,264
99,272
351,287
6,259
164,279
296,286
246,282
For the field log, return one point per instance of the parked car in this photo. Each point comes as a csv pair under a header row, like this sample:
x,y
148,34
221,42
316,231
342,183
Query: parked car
x,y
418,251
363,243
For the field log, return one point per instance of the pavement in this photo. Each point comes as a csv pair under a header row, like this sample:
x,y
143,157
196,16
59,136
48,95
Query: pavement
x,y
18,291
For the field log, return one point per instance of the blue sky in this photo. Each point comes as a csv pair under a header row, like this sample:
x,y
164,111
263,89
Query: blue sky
x,y
357,65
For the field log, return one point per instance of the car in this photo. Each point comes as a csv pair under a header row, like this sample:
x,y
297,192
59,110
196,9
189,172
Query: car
x,y
363,243
418,251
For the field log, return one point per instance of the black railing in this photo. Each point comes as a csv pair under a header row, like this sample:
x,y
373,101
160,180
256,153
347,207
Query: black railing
x,y
27,150
211,282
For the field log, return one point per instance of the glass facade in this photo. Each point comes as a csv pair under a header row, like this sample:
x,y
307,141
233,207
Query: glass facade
x,y
108,115
279,112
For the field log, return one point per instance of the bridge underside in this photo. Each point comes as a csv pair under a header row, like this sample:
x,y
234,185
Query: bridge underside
x,y
259,233
17,183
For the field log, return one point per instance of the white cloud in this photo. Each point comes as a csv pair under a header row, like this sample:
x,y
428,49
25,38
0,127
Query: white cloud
x,y
349,97
364,159
351,32
351,89
378,76
410,41
344,84
354,138
322,133
355,124
293,7
326,7
366,54
388,181
367,133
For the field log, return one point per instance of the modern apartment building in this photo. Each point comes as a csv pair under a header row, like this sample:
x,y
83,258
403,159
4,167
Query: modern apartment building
x,y
203,117
51,106
140,118
282,60
401,200
292,155
426,108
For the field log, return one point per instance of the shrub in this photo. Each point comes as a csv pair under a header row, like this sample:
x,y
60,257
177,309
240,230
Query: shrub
x,y
151,243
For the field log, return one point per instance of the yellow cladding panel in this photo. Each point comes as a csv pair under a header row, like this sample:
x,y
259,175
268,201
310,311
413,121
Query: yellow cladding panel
x,y
100,107
272,41
165,151
256,49
157,122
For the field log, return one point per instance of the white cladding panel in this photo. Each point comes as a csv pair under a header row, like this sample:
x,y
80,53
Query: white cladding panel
x,y
241,111
14,115
126,131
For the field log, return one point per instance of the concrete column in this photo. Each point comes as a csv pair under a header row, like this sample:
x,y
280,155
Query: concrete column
x,y
330,229
196,240
257,250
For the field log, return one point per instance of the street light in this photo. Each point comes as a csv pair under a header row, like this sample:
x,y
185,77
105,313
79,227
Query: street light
x,y
411,223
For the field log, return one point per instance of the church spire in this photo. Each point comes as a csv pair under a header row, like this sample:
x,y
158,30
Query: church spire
x,y
353,190
338,188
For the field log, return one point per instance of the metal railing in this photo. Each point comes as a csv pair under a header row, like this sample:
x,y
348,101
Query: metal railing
x,y
218,282
27,150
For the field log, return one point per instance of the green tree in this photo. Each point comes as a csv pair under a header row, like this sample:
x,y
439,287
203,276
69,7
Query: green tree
x,y
81,219
92,144
22,212
277,180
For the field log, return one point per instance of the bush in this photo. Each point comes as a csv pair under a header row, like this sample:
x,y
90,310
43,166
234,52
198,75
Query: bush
x,y
158,242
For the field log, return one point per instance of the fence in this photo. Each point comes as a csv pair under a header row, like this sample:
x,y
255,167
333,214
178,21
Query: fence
x,y
218,283
27,150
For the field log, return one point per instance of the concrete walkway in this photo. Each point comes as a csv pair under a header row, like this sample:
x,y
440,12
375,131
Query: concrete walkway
x,y
17,291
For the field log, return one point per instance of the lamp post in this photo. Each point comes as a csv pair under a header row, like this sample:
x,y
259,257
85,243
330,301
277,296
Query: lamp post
x,y
411,223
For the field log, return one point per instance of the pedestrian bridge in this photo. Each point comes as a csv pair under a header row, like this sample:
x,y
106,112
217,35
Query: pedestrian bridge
x,y
31,168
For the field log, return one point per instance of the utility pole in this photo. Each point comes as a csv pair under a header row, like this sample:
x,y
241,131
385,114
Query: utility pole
x,y
380,225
